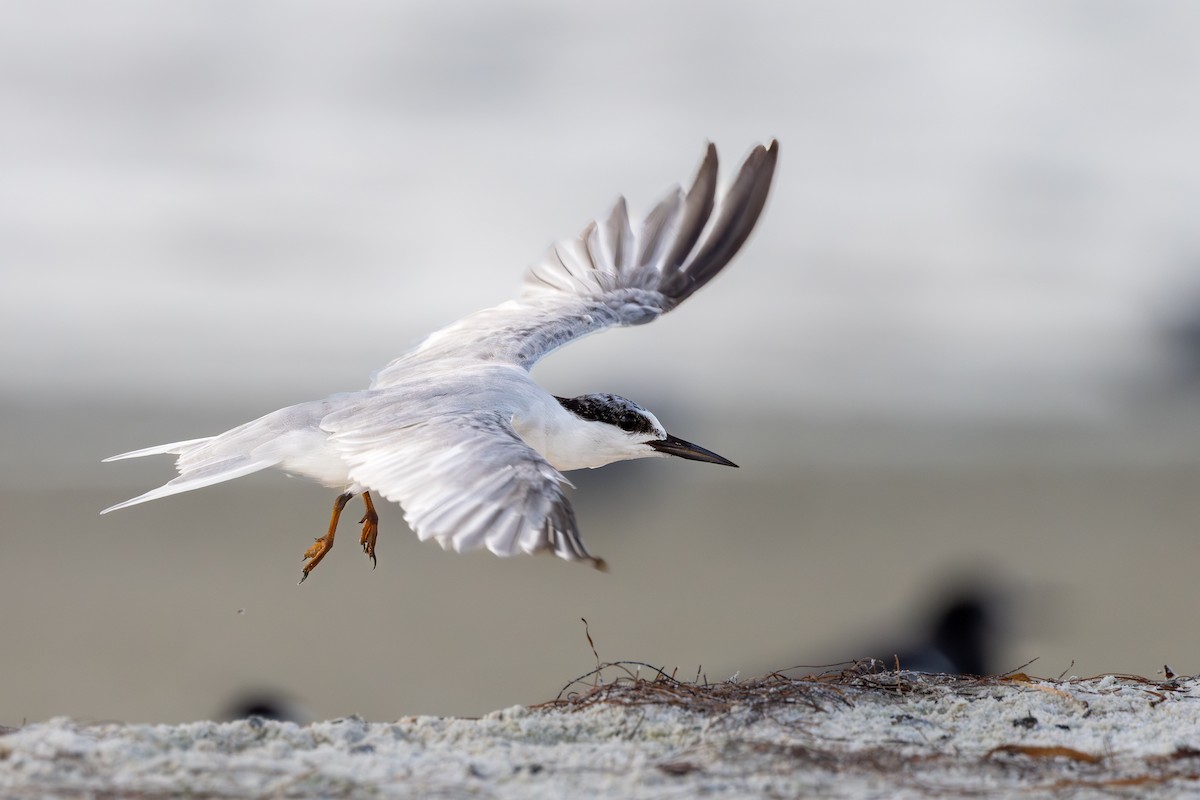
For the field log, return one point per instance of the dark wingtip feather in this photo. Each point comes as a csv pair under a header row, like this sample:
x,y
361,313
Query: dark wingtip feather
x,y
697,207
740,209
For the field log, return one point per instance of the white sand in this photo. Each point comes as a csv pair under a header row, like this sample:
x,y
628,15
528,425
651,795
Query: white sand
x,y
848,737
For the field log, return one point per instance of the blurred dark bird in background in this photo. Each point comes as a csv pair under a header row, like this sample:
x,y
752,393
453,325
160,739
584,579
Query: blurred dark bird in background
x,y
965,636
266,704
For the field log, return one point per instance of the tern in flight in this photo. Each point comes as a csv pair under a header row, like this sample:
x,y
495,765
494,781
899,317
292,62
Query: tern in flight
x,y
458,433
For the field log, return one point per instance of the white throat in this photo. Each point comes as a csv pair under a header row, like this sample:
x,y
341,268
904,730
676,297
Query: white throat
x,y
568,442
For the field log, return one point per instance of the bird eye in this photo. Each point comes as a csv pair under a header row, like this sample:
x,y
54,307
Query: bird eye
x,y
628,422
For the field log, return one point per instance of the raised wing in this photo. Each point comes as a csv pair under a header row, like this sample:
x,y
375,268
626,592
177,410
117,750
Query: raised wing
x,y
667,256
465,480
612,273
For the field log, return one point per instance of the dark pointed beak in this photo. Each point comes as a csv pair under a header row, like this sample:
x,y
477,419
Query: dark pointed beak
x,y
693,452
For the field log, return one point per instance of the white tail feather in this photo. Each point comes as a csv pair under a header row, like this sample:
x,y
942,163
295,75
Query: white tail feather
x,y
174,448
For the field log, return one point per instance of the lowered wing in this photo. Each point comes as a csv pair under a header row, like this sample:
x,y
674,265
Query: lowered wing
x,y
465,479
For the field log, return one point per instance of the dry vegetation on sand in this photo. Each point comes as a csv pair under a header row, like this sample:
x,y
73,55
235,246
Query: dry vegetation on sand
x,y
631,730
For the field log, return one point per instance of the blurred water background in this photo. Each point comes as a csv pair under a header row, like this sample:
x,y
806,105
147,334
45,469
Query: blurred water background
x,y
962,346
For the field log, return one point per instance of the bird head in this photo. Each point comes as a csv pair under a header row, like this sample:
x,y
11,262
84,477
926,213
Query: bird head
x,y
618,429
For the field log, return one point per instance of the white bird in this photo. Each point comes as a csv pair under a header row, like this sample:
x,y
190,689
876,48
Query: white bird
x,y
458,433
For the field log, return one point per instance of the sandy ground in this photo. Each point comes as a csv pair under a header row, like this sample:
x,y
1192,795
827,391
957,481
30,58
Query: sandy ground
x,y
843,736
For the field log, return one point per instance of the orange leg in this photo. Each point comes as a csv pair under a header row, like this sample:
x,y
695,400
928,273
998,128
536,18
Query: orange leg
x,y
324,544
370,530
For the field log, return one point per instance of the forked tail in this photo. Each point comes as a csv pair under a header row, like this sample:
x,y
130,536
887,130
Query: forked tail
x,y
201,463
265,442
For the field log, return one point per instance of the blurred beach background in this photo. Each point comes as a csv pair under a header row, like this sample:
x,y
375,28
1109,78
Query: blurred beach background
x,y
962,347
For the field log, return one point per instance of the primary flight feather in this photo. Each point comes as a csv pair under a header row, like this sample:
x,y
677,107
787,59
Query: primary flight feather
x,y
458,433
